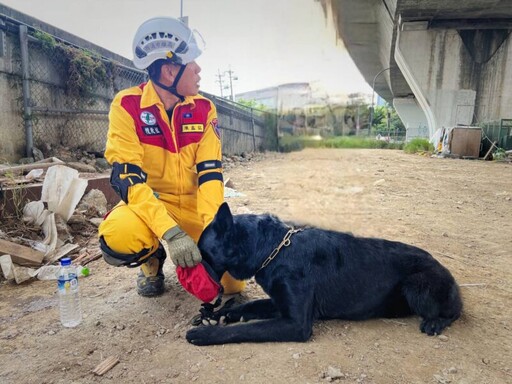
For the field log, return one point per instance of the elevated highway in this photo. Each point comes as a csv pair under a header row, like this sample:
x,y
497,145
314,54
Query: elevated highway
x,y
440,63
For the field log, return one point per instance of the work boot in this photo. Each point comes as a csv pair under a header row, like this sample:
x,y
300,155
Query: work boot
x,y
150,281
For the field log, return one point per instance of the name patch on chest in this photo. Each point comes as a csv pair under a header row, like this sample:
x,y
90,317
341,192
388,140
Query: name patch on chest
x,y
153,130
188,128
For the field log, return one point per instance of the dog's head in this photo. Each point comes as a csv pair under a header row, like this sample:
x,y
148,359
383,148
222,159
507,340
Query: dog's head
x,y
203,280
216,243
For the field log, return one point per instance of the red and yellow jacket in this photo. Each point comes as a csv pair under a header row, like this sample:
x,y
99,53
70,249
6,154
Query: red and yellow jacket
x,y
182,157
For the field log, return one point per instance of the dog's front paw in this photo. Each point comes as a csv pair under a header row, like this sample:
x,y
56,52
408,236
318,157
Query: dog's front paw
x,y
201,335
433,327
227,317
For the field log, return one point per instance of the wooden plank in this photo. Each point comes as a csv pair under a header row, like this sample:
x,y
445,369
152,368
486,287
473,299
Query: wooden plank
x,y
19,169
50,160
20,254
86,257
60,252
81,167
106,365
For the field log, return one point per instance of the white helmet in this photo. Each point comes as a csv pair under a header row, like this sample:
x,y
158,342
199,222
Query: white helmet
x,y
165,38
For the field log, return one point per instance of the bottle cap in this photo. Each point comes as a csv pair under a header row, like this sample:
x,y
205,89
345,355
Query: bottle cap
x,y
65,261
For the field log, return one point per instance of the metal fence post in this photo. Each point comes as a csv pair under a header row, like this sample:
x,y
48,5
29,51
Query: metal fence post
x,y
253,131
27,109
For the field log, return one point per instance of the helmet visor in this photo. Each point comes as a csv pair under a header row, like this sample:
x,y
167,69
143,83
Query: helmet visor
x,y
191,49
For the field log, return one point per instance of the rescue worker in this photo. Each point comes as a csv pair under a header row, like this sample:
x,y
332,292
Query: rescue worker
x,y
165,150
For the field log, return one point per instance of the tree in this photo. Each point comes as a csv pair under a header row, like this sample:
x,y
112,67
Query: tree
x,y
380,121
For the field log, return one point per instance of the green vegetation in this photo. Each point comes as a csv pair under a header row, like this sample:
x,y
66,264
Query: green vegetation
x,y
499,154
48,42
380,120
271,140
294,143
86,70
270,119
419,145
17,198
252,104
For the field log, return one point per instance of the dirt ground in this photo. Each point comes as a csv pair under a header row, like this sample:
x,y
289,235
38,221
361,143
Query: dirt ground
x,y
459,210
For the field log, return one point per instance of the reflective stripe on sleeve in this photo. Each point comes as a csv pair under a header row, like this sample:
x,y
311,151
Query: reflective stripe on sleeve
x,y
208,164
210,176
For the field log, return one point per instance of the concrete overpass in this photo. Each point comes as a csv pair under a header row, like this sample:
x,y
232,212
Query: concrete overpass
x,y
440,63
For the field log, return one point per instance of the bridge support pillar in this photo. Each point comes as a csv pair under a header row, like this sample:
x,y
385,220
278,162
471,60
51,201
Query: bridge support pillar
x,y
412,116
434,64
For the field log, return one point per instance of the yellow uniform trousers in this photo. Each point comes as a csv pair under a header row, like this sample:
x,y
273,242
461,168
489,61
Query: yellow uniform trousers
x,y
124,232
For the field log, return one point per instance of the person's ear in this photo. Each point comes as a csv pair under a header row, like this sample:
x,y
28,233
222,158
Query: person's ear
x,y
166,73
173,71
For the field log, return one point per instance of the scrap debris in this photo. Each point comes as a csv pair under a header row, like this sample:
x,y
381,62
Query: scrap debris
x,y
21,254
62,191
105,366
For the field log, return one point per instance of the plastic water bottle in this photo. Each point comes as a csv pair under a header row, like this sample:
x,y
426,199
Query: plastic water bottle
x,y
69,299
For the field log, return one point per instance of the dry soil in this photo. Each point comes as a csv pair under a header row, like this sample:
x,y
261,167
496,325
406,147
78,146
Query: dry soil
x,y
459,210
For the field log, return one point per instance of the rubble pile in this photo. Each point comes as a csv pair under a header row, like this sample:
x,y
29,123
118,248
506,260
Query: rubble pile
x,y
63,222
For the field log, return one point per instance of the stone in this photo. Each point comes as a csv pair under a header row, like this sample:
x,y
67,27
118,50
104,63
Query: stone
x,y
101,164
334,373
94,203
38,154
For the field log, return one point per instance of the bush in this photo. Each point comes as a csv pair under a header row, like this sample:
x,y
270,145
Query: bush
x,y
289,143
499,154
418,145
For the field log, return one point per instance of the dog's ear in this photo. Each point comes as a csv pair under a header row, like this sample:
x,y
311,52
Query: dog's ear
x,y
224,218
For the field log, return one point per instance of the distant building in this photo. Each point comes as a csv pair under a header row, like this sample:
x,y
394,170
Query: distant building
x,y
286,100
281,98
304,111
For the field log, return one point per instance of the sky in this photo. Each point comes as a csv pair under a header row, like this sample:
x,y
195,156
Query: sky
x,y
263,42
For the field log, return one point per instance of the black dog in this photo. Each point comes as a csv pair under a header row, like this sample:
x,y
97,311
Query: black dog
x,y
319,274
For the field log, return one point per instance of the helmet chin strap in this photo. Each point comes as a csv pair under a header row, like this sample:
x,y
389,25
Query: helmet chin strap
x,y
173,88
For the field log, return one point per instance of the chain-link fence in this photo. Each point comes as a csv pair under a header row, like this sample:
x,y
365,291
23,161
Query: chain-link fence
x,y
245,127
63,93
417,132
62,114
499,133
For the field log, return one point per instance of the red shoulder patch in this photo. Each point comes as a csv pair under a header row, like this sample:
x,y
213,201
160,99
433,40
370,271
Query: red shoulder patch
x,y
215,126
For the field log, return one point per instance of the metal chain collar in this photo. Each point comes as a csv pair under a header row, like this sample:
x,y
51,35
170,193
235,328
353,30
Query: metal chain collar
x,y
285,243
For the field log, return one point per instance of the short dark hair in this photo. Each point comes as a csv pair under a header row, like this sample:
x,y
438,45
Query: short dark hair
x,y
155,68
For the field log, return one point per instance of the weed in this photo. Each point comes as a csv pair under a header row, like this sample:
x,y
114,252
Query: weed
x,y
418,145
17,198
289,143
86,70
499,154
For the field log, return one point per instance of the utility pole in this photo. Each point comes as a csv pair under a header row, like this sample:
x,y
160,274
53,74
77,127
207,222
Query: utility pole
x,y
219,80
231,78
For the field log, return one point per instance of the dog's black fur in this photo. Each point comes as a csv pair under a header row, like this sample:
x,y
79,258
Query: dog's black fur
x,y
322,274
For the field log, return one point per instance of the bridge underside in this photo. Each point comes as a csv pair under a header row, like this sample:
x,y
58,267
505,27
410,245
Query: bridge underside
x,y
441,64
